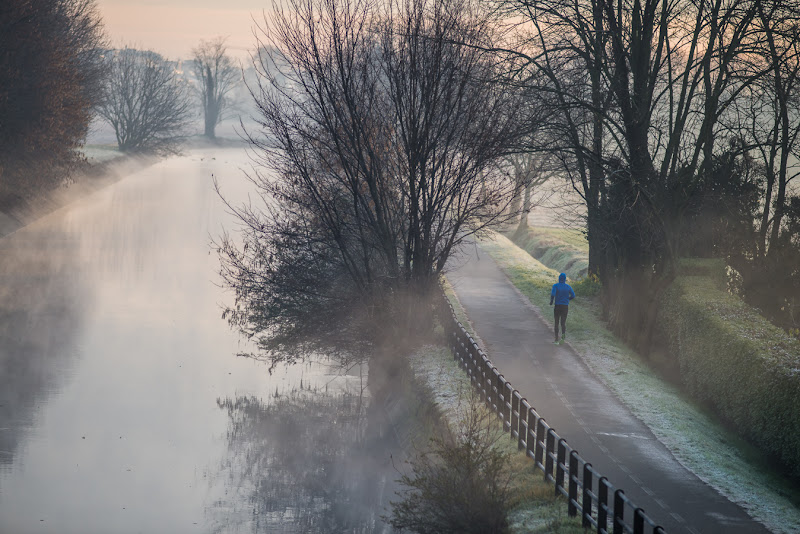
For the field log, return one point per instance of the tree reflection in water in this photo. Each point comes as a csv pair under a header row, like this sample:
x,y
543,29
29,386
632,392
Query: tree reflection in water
x,y
42,306
305,462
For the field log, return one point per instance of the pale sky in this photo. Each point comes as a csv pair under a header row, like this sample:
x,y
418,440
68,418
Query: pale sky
x,y
173,27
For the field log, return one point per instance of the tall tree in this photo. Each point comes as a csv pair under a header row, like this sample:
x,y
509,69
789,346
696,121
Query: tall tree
x,y
529,170
217,76
767,124
775,115
382,133
51,72
641,86
145,102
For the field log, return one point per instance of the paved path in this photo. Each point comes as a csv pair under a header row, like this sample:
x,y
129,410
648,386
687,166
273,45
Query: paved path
x,y
583,411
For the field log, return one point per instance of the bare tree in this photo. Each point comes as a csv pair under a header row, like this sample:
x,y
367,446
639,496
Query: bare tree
x,y
529,171
217,76
775,115
641,87
766,128
381,134
145,102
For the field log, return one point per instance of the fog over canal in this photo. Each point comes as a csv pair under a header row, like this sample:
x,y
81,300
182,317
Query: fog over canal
x,y
123,406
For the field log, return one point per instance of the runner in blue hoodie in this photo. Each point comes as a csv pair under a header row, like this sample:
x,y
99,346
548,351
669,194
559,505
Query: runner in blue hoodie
x,y
561,294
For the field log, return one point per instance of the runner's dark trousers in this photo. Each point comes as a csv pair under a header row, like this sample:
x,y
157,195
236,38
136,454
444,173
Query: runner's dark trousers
x,y
560,312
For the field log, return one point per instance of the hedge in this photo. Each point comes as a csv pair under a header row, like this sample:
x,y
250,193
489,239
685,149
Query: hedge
x,y
734,360
564,250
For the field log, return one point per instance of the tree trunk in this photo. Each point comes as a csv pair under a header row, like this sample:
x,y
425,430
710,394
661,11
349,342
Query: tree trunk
x,y
516,200
211,106
595,237
526,207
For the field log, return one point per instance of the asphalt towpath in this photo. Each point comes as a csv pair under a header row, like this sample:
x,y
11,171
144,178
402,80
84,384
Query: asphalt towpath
x,y
573,401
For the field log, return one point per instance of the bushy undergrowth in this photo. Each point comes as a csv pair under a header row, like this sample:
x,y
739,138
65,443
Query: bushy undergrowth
x,y
532,506
461,484
735,360
588,286
561,249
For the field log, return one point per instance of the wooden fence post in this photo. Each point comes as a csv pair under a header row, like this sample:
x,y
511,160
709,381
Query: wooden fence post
x,y
548,454
638,521
602,506
619,512
540,440
572,484
586,510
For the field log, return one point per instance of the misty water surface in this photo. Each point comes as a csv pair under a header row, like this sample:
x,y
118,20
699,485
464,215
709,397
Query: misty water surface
x,y
123,407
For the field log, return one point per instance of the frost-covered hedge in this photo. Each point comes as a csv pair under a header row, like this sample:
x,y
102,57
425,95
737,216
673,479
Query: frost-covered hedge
x,y
563,250
735,360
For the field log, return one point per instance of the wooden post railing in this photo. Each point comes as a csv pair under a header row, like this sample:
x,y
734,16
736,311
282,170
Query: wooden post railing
x,y
570,473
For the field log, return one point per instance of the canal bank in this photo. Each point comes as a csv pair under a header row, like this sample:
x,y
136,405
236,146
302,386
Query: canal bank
x,y
95,177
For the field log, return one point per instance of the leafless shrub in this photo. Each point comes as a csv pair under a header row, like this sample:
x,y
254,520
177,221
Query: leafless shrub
x,y
462,484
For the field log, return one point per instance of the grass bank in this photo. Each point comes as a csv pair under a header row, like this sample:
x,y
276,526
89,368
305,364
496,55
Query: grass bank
x,y
564,250
691,433
96,154
106,165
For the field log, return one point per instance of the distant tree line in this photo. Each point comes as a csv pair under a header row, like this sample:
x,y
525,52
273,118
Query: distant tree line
x,y
148,99
57,72
50,78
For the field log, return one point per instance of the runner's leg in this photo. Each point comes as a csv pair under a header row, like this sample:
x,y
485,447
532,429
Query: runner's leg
x,y
555,322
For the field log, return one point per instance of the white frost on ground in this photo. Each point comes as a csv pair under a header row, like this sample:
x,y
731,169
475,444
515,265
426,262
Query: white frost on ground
x,y
697,441
448,384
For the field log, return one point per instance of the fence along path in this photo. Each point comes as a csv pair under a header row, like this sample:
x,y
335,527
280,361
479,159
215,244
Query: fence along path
x,y
589,494
588,416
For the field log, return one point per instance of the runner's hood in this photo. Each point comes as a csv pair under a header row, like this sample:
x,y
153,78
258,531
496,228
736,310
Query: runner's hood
x,y
562,277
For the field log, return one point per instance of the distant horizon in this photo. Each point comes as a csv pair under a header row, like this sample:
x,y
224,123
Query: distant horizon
x,y
174,27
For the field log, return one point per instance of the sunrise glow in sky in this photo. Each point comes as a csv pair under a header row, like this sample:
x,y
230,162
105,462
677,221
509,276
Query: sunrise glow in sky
x,y
174,27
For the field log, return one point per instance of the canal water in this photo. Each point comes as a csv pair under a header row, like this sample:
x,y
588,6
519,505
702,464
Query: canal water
x,y
124,407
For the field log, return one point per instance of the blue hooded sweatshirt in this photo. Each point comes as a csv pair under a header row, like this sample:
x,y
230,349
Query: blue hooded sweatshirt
x,y
562,293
